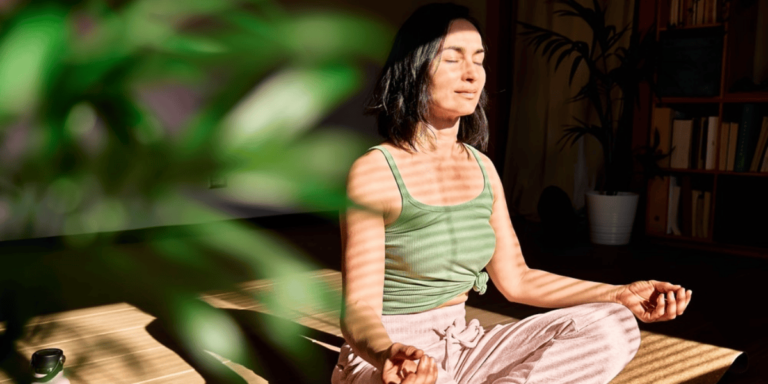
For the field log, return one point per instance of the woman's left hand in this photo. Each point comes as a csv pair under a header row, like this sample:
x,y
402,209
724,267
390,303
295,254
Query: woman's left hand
x,y
654,300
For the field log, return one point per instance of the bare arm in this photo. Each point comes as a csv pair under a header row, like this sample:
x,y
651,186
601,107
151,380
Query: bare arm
x,y
362,235
519,283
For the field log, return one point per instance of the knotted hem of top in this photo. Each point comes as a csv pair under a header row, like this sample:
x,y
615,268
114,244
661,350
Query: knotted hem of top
x,y
481,283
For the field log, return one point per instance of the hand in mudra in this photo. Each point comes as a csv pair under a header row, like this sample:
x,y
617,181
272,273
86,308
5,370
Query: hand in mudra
x,y
654,300
400,367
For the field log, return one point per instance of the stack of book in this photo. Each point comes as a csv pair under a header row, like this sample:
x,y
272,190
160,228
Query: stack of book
x,y
744,143
694,12
695,142
688,208
691,140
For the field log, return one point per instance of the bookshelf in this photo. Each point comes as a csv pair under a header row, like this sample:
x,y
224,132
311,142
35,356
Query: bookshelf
x,y
697,113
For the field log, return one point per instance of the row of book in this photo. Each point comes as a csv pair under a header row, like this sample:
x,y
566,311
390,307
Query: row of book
x,y
696,143
688,208
694,12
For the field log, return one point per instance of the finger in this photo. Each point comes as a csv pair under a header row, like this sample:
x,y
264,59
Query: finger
x,y
664,286
659,311
682,300
428,375
688,298
671,310
423,364
408,352
408,366
422,369
390,376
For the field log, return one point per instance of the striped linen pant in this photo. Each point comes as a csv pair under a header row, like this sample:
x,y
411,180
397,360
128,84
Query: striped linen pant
x,y
584,344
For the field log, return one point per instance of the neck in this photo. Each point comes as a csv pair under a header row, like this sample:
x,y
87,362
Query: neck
x,y
440,138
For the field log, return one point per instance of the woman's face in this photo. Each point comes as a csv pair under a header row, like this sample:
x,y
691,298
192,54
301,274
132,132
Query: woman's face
x,y
458,75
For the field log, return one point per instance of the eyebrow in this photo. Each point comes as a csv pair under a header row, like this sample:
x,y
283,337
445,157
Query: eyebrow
x,y
461,49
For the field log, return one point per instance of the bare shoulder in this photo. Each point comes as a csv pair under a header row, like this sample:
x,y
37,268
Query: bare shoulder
x,y
370,181
489,167
493,175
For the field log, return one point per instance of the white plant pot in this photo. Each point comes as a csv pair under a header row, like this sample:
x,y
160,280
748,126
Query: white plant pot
x,y
611,217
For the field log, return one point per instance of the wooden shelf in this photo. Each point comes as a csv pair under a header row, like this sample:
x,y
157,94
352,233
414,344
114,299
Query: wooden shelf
x,y
687,27
751,97
751,174
689,100
739,32
688,170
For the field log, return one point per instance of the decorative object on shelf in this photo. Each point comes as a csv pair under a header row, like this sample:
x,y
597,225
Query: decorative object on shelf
x,y
610,89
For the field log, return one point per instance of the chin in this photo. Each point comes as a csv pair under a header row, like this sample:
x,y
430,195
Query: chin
x,y
467,112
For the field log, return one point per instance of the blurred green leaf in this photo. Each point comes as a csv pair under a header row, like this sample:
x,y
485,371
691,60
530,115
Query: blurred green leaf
x,y
29,52
87,154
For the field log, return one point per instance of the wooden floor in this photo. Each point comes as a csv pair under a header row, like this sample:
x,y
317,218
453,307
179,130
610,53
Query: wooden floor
x,y
114,343
111,343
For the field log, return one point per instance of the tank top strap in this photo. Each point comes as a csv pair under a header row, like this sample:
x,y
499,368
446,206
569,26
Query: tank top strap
x,y
393,167
486,179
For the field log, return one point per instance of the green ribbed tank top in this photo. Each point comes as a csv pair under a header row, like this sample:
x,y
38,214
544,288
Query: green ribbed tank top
x,y
434,253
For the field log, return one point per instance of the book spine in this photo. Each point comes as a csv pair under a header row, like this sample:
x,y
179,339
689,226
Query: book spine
x,y
722,158
709,162
700,213
703,139
732,141
705,213
764,166
681,143
674,5
699,12
745,140
695,144
760,148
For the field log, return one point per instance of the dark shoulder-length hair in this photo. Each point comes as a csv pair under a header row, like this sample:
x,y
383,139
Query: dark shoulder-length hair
x,y
401,97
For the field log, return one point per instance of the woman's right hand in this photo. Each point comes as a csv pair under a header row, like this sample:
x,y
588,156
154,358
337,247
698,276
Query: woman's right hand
x,y
400,367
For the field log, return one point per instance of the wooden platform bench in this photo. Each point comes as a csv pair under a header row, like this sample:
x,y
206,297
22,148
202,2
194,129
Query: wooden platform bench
x,y
117,343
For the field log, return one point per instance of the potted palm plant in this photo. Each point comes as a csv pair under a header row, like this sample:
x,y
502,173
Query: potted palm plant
x,y
615,71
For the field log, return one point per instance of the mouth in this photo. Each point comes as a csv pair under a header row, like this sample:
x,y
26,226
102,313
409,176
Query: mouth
x,y
467,94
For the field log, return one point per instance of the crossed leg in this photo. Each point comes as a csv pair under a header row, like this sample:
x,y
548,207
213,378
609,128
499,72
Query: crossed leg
x,y
588,343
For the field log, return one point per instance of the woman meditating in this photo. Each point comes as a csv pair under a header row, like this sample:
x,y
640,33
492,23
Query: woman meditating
x,y
429,214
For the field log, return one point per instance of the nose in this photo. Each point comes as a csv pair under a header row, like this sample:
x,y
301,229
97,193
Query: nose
x,y
471,72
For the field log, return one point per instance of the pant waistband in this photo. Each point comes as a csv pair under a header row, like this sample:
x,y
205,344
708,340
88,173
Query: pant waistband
x,y
422,322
